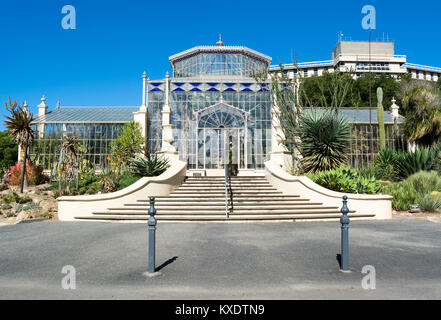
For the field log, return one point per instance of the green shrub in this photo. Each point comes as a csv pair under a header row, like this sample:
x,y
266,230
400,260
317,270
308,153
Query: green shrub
x,y
23,200
14,197
346,180
126,180
46,215
414,189
151,166
82,190
26,207
8,152
324,140
366,172
431,202
385,164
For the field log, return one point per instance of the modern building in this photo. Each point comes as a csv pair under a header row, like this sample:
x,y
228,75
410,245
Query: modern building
x,y
363,57
211,101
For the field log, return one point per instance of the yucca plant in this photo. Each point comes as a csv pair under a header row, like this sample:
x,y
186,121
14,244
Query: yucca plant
x,y
150,166
324,140
18,124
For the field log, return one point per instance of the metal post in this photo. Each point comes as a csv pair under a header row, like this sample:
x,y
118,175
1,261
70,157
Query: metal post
x,y
152,235
344,220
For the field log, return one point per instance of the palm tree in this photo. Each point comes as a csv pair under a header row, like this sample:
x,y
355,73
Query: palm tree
x,y
422,109
18,124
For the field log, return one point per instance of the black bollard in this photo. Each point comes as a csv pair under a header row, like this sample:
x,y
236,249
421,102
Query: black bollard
x,y
152,235
344,220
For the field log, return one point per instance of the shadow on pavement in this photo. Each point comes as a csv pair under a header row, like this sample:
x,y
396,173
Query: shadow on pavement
x,y
166,263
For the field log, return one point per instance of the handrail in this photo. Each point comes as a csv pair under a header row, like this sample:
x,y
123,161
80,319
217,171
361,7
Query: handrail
x,y
226,180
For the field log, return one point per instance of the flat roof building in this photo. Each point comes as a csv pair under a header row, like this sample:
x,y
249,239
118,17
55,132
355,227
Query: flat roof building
x,y
363,57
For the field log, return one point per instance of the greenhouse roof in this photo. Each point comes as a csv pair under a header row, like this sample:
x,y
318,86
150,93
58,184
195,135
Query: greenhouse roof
x,y
88,114
362,115
219,49
125,114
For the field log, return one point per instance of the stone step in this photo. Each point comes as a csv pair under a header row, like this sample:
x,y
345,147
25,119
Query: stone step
x,y
222,212
223,177
236,207
199,197
222,188
221,203
216,218
217,180
222,183
240,192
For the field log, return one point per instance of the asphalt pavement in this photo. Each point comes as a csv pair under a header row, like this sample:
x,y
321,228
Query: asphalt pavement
x,y
221,261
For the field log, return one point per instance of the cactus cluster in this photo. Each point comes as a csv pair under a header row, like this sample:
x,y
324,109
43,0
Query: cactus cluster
x,y
382,131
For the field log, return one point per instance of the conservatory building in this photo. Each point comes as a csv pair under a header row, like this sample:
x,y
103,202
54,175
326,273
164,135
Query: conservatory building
x,y
210,104
210,110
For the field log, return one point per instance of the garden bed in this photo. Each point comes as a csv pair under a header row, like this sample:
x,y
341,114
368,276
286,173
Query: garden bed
x,y
34,203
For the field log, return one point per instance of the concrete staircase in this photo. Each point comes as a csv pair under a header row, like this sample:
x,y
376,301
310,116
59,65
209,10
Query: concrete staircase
x,y
203,199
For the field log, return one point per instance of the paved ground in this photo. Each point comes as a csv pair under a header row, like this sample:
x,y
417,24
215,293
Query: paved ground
x,y
221,261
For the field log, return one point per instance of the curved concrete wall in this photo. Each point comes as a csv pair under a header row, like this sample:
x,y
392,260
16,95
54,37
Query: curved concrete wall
x,y
70,207
380,205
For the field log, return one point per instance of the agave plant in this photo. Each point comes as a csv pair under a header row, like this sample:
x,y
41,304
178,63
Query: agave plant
x,y
324,141
150,166
422,159
18,124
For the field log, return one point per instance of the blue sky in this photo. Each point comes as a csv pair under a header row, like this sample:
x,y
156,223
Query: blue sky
x,y
101,62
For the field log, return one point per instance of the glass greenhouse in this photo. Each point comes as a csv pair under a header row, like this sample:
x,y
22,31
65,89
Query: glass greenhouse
x,y
214,102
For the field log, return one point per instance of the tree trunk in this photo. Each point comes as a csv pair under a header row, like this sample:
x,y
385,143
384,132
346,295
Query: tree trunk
x,y
23,167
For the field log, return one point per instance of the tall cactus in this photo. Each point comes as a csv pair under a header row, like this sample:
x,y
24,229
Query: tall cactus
x,y
382,131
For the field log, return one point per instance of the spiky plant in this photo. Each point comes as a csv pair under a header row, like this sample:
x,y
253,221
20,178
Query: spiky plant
x,y
324,140
18,124
386,164
71,148
422,159
150,166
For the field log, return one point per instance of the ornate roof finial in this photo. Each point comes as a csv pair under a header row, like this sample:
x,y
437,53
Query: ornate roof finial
x,y
43,99
58,105
25,105
144,75
220,42
167,75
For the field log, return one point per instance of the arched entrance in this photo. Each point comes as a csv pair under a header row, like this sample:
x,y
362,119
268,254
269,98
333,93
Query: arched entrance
x,y
217,126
